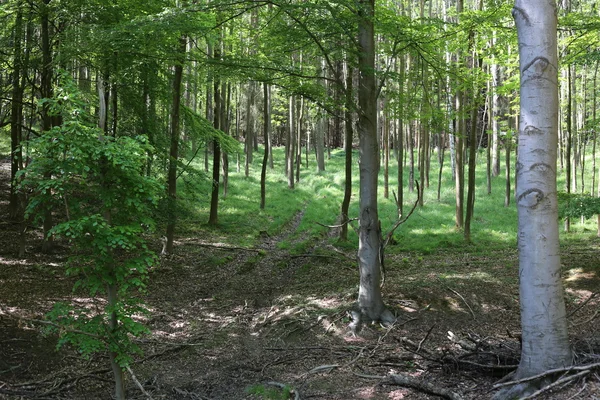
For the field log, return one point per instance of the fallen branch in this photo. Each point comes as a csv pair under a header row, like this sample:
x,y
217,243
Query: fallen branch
x,y
214,246
425,338
336,226
138,384
321,368
420,385
463,299
314,255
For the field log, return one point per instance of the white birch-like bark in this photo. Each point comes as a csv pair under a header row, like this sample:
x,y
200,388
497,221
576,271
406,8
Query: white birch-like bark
x,y
545,342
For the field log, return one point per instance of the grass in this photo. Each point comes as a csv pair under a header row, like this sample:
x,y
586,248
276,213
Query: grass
x,y
319,195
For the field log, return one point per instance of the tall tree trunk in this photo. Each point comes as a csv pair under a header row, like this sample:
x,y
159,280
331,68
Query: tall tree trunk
x,y
472,153
370,249
569,144
545,341
46,93
217,123
267,129
495,114
174,150
16,115
348,153
290,142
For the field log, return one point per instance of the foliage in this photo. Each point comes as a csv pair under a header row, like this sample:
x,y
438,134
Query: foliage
x,y
576,205
96,181
267,393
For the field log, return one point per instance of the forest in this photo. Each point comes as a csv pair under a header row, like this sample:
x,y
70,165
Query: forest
x,y
299,199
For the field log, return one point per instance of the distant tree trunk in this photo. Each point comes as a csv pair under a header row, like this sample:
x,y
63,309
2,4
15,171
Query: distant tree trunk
x,y
507,149
249,142
441,153
460,165
300,111
370,254
267,128
472,155
495,114
569,144
488,153
411,155
209,104
224,121
400,139
174,150
386,153
46,93
291,151
545,340
214,199
348,153
16,116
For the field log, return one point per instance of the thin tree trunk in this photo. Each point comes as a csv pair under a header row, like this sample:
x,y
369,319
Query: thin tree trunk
x,y
174,150
46,93
348,153
267,128
16,116
290,142
214,198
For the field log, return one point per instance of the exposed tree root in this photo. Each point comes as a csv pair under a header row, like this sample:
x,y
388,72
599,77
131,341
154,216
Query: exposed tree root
x,y
533,386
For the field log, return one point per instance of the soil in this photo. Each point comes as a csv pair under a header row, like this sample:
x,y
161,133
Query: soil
x,y
232,323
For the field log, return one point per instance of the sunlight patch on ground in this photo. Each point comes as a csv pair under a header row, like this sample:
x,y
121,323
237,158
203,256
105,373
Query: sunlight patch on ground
x,y
484,276
453,304
367,392
398,394
576,274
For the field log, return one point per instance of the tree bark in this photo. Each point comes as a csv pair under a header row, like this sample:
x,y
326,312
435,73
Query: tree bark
x,y
174,150
16,116
267,128
370,301
545,341
348,155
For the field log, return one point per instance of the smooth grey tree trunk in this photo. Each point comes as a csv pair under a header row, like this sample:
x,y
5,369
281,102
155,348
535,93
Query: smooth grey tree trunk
x,y
545,340
370,302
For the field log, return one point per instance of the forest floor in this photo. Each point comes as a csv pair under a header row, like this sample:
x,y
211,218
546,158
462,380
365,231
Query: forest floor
x,y
234,323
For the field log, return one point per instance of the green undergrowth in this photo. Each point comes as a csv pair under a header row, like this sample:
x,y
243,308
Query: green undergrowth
x,y
317,199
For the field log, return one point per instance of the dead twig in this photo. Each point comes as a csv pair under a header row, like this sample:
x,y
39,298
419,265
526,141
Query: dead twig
x,y
138,384
580,306
425,338
593,317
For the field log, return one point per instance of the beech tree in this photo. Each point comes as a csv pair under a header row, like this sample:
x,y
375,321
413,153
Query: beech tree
x,y
370,302
545,342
